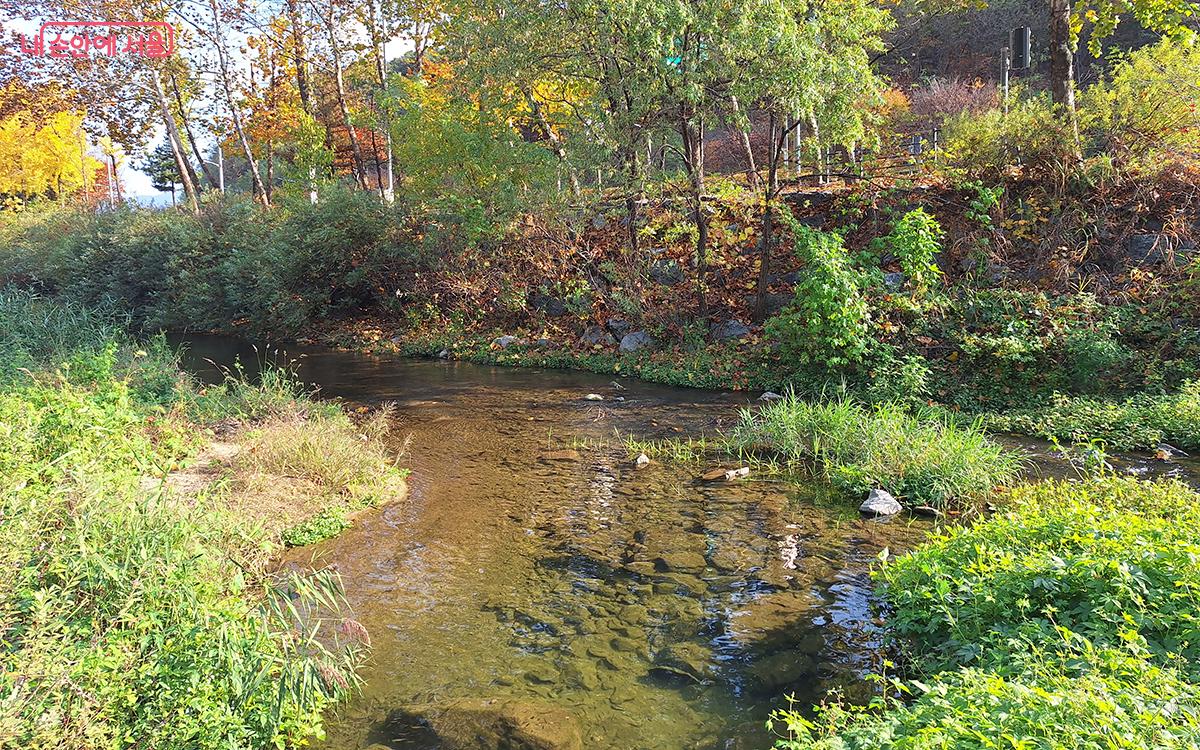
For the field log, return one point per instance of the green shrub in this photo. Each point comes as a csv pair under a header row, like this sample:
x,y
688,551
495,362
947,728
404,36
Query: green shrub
x,y
1111,560
915,240
827,324
1138,422
1070,620
923,458
990,144
1125,704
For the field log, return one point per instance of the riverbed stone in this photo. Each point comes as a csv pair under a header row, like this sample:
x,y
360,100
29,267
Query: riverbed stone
x,y
880,503
597,336
680,561
782,668
494,724
689,660
562,455
632,342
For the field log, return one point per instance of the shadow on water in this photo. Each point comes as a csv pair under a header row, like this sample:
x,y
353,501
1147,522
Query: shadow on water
x,y
584,599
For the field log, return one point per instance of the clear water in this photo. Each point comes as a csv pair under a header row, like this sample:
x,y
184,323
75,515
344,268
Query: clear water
x,y
655,611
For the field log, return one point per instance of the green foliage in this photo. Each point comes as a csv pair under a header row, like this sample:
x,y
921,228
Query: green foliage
x,y
1068,620
915,240
990,144
1138,422
925,458
328,523
827,324
128,617
277,271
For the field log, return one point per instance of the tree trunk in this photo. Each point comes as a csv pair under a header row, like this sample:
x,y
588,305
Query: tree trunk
x,y
387,184
776,148
301,56
1062,63
173,137
693,139
187,128
556,145
744,137
340,90
260,192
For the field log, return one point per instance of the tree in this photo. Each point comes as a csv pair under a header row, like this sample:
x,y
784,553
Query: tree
x,y
161,167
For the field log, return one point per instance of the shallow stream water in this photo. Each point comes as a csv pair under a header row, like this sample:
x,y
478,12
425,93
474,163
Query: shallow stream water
x,y
642,607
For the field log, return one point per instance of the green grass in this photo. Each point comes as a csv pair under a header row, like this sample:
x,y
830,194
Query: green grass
x,y
131,616
1070,620
1138,422
924,458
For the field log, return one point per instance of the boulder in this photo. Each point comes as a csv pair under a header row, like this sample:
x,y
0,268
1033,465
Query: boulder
x,y
597,336
666,272
503,342
894,281
617,326
489,724
1148,249
880,503
632,342
730,329
551,306
641,461
770,396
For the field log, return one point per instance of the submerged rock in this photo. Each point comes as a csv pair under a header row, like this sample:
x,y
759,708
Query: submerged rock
x,y
563,455
880,503
495,724
782,669
688,660
672,562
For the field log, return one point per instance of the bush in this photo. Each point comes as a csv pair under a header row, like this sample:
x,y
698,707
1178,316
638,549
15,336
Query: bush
x,y
827,323
924,458
916,240
990,145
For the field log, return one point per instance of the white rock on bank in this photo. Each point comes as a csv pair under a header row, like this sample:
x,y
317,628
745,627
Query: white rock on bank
x,y
880,503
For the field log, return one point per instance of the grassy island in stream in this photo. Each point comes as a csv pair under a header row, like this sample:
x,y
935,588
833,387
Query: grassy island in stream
x,y
140,511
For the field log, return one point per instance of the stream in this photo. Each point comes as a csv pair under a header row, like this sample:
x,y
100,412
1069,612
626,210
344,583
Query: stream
x,y
592,603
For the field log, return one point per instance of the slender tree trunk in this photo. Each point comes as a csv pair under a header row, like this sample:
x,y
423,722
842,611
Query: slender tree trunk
x,y
556,145
340,90
260,192
775,141
387,184
744,138
189,188
116,179
187,128
693,139
1062,63
300,51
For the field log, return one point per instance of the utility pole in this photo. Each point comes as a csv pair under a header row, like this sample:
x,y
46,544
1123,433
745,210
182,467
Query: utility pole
x,y
1005,67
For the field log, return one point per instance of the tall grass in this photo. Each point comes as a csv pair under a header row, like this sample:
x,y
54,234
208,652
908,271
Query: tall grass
x,y
129,618
925,458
